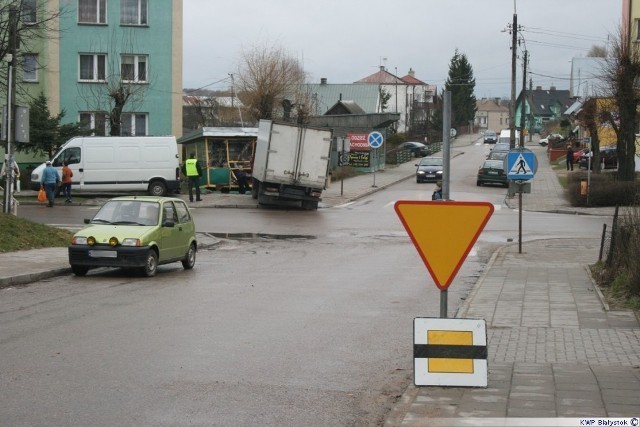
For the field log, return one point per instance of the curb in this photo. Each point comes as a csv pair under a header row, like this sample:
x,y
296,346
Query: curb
x,y
25,279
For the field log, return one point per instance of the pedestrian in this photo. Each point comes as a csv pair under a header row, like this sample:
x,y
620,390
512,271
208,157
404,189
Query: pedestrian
x,y
192,170
50,180
16,172
569,157
437,193
67,174
242,179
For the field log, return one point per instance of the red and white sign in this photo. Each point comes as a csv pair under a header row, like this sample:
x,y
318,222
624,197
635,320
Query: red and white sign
x,y
358,141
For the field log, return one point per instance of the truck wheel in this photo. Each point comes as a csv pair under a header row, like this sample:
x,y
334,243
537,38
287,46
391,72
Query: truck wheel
x,y
190,259
79,270
309,205
151,264
254,189
157,188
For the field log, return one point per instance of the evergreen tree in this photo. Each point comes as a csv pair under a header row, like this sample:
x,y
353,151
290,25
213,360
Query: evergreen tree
x,y
46,134
461,84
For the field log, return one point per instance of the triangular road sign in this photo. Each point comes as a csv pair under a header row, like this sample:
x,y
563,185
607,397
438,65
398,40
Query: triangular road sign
x,y
443,233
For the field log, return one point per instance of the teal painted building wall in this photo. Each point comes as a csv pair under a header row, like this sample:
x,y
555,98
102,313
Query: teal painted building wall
x,y
155,40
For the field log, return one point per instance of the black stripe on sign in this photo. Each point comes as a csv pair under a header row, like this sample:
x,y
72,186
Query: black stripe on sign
x,y
446,351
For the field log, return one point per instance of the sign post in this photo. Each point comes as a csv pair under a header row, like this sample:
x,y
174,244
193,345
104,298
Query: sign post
x,y
522,165
375,140
443,248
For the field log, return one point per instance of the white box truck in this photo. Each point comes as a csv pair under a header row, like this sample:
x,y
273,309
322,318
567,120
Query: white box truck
x,y
118,164
291,164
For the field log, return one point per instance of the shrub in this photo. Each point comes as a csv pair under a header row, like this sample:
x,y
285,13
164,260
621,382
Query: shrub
x,y
604,190
620,275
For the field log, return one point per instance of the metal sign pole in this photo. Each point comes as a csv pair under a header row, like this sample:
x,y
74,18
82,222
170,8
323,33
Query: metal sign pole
x,y
520,190
443,304
375,160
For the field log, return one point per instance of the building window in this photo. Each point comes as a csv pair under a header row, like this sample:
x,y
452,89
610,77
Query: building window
x,y
92,11
95,121
133,68
29,11
133,12
29,67
92,67
133,124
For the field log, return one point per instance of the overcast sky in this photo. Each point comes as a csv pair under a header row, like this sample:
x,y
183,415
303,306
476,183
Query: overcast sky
x,y
346,40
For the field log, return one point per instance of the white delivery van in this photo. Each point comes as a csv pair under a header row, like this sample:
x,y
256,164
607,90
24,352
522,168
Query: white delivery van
x,y
505,137
118,164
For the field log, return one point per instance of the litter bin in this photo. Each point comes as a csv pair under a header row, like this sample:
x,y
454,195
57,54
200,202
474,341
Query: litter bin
x,y
584,187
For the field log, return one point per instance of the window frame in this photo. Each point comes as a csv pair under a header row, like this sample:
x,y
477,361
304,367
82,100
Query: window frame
x,y
100,12
29,10
96,71
136,61
141,13
94,121
131,128
35,67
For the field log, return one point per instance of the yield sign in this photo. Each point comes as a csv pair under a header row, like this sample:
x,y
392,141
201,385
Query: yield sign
x,y
443,233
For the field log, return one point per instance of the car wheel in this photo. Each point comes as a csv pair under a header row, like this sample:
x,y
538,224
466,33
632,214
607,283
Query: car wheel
x,y
79,270
190,259
151,264
157,188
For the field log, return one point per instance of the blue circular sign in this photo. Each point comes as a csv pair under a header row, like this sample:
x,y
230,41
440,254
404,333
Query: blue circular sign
x,y
375,139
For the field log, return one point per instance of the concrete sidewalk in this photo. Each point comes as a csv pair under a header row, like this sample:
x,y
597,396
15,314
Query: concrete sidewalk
x,y
554,347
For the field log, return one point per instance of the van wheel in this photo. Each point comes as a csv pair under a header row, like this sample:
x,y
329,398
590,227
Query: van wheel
x,y
151,264
190,259
157,188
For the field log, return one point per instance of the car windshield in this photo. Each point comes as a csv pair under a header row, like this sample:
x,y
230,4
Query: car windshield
x,y
493,164
490,134
128,212
431,161
498,155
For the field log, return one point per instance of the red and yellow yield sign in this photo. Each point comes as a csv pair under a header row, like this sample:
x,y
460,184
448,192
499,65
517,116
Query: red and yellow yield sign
x,y
444,233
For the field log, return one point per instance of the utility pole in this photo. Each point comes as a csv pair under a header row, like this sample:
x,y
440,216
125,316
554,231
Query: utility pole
x,y
9,125
524,99
512,107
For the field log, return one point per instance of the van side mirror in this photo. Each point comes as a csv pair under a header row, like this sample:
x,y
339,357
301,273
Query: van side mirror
x,y
87,221
168,223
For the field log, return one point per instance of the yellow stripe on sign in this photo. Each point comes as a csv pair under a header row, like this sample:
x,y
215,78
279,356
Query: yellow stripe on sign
x,y
461,366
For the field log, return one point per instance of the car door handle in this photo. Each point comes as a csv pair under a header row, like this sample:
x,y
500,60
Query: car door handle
x,y
81,170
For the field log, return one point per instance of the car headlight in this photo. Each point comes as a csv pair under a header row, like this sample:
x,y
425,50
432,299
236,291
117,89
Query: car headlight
x,y
131,242
79,240
420,172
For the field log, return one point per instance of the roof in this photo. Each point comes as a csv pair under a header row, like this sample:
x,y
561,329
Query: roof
x,y
491,105
574,108
411,80
219,132
541,100
381,77
345,107
327,95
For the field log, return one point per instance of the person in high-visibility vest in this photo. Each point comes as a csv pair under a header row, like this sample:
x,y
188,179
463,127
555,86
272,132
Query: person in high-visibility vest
x,y
191,168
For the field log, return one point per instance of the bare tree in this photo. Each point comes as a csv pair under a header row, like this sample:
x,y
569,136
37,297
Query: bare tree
x,y
35,22
597,52
124,84
267,75
590,119
621,74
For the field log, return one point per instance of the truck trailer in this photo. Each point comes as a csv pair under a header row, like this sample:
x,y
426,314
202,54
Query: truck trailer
x,y
291,164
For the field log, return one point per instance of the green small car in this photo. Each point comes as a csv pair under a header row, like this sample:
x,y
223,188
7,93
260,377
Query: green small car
x,y
493,172
138,232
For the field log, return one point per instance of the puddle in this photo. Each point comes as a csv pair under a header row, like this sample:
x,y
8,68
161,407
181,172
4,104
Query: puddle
x,y
265,236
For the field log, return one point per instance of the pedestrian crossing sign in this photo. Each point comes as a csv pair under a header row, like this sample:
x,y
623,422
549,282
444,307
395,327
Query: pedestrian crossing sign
x,y
521,165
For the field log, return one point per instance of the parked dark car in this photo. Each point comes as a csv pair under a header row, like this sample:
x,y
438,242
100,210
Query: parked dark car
x,y
497,155
429,169
490,137
500,146
492,172
417,148
608,156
